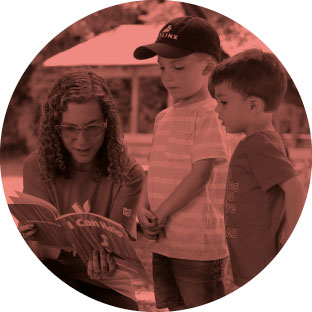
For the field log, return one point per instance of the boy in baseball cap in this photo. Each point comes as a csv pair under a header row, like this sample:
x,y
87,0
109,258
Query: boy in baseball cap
x,y
182,209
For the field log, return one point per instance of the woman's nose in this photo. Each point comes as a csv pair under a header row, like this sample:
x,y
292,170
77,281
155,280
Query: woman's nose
x,y
81,138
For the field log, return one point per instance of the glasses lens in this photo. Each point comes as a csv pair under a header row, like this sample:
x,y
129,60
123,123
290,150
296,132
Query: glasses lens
x,y
70,133
93,131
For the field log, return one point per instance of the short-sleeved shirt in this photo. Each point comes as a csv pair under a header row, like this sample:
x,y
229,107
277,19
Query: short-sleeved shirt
x,y
254,202
117,201
182,136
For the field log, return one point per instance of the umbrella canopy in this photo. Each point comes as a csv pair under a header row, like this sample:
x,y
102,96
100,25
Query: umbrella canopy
x,y
114,47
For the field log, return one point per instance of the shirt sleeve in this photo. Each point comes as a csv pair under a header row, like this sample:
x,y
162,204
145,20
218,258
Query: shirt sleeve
x,y
126,201
269,163
157,118
210,138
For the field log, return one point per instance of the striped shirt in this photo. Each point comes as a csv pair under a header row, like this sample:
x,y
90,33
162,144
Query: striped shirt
x,y
183,135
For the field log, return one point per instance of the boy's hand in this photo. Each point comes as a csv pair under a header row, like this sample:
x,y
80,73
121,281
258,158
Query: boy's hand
x,y
162,218
149,224
146,218
152,234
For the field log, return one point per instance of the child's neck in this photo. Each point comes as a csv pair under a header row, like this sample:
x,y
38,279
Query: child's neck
x,y
202,95
260,124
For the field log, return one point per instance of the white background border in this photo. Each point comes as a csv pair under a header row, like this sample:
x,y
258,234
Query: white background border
x,y
27,26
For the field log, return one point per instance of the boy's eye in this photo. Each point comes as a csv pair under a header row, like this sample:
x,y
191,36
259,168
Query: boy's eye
x,y
223,102
178,68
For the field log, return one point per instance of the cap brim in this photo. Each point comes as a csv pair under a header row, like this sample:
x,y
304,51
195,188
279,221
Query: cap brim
x,y
162,49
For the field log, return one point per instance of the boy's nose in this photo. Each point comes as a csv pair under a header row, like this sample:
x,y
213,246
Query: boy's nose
x,y
166,75
217,109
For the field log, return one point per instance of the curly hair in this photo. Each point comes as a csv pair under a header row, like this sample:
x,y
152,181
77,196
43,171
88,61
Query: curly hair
x,y
54,159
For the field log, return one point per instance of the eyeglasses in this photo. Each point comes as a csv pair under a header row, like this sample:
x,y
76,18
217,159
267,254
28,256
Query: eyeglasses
x,y
71,132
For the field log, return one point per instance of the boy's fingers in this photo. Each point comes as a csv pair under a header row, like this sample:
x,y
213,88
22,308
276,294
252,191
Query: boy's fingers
x,y
150,235
150,216
155,229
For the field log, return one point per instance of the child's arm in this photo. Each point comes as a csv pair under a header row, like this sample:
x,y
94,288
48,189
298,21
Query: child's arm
x,y
147,219
294,202
191,185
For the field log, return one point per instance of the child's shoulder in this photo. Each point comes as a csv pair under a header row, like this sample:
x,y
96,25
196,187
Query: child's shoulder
x,y
162,113
207,107
264,142
264,137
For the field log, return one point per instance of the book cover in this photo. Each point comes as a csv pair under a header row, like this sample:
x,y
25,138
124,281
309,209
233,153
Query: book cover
x,y
80,231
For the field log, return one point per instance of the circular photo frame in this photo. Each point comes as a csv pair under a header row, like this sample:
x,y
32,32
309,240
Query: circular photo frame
x,y
42,116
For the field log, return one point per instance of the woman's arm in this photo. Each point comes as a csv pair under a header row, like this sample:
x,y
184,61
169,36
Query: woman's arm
x,y
33,185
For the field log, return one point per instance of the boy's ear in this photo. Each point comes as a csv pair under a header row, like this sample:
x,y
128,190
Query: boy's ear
x,y
256,105
209,67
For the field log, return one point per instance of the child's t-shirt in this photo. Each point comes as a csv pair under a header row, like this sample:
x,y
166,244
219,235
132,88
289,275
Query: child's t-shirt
x,y
183,135
254,203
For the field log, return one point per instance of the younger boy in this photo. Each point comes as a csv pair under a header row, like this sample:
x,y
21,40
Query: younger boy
x,y
187,172
264,197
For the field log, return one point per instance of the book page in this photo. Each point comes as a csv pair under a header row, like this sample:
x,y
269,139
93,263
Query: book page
x,y
23,198
49,231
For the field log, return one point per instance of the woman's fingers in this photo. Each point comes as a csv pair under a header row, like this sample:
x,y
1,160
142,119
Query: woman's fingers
x,y
93,268
90,267
103,261
100,264
28,231
111,264
96,262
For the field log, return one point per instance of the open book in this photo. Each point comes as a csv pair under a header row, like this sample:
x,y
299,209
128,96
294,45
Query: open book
x,y
82,232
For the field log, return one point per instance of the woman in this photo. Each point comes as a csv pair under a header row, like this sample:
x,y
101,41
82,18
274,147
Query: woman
x,y
82,161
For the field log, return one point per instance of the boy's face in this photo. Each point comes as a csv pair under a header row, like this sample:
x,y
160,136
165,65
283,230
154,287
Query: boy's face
x,y
185,78
232,108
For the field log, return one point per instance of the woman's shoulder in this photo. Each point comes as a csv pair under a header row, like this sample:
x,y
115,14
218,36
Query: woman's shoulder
x,y
134,168
31,162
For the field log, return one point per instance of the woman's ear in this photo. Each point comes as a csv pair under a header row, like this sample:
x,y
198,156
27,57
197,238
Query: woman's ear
x,y
256,104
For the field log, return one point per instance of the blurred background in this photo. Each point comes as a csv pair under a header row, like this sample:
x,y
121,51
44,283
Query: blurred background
x,y
104,42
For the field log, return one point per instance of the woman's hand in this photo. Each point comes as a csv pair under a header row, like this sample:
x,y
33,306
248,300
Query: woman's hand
x,y
101,265
28,231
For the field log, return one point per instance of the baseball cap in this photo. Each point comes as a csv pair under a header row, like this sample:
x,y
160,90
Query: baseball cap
x,y
181,37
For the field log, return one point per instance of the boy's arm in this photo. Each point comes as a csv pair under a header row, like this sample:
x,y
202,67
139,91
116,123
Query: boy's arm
x,y
294,202
147,219
191,185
